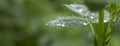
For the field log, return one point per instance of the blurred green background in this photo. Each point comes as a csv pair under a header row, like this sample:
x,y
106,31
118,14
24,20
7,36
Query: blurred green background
x,y
22,23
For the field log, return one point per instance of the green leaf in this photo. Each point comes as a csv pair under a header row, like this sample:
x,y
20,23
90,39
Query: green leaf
x,y
83,11
68,21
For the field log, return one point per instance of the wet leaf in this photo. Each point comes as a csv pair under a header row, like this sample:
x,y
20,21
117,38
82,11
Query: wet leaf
x,y
82,10
67,21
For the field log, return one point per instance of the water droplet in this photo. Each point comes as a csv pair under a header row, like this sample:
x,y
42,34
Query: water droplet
x,y
84,23
58,24
80,10
63,25
93,14
105,21
91,17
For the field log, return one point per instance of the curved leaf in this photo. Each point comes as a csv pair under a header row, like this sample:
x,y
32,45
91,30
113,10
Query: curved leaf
x,y
82,10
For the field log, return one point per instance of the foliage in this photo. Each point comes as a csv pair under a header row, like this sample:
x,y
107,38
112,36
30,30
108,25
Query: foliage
x,y
22,23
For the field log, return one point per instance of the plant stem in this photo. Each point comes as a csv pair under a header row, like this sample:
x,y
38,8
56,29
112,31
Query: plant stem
x,y
113,14
109,26
100,33
91,26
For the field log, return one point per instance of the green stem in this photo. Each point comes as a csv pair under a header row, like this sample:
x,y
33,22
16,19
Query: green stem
x,y
112,17
113,14
92,29
100,33
109,26
91,26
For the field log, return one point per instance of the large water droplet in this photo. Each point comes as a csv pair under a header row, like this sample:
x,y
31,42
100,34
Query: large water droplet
x,y
85,23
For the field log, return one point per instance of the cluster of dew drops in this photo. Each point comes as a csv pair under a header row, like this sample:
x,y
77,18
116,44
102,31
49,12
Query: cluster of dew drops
x,y
83,12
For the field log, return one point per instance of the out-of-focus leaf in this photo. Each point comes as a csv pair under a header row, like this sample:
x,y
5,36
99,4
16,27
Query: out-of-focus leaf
x,y
95,5
116,24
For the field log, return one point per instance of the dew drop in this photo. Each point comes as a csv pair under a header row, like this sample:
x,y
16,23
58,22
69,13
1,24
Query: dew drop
x,y
93,14
84,23
63,25
91,17
105,21
58,24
